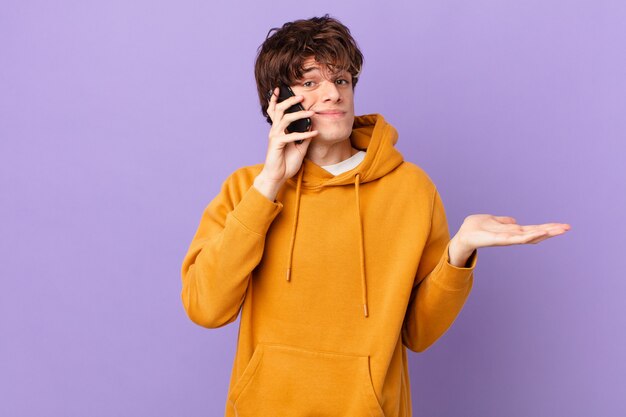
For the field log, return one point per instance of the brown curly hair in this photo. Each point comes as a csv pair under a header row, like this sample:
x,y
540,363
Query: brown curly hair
x,y
280,57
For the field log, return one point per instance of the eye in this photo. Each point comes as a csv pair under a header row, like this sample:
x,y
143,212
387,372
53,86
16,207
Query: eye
x,y
342,81
307,83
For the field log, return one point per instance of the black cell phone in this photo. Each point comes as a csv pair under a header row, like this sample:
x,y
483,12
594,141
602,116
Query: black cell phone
x,y
300,125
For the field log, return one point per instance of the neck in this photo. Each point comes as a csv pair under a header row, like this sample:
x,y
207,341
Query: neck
x,y
328,154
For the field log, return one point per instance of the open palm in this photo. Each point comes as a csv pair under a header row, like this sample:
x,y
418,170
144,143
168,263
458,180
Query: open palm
x,y
482,230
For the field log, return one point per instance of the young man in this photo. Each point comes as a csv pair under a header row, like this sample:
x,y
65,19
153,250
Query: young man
x,y
336,250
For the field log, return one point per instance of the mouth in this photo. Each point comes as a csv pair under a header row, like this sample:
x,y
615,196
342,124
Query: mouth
x,y
331,114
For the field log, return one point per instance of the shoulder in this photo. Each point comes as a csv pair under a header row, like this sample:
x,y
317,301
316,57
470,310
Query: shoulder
x,y
244,176
235,185
414,176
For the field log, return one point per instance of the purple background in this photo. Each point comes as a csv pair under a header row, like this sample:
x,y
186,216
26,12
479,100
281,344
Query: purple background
x,y
119,121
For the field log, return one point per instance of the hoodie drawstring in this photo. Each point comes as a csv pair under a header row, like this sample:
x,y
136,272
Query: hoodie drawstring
x,y
357,180
295,222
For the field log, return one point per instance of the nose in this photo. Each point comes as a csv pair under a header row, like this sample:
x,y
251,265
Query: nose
x,y
330,92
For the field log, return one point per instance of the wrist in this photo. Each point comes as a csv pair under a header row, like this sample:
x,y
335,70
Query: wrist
x,y
267,187
458,253
460,246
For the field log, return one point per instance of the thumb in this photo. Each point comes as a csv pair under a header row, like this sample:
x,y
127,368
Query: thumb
x,y
304,146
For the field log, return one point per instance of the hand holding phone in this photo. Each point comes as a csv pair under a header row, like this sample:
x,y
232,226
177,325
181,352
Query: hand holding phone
x,y
287,146
299,125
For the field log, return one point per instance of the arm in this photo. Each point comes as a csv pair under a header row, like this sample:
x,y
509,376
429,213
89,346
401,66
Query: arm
x,y
440,288
227,246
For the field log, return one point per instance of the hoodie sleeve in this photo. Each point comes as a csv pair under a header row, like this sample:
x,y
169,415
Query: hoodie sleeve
x,y
227,246
440,288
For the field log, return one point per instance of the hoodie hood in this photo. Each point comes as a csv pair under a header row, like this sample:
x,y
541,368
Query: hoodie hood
x,y
372,134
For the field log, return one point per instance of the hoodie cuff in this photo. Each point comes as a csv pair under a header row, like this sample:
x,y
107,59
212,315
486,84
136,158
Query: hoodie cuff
x,y
256,212
452,277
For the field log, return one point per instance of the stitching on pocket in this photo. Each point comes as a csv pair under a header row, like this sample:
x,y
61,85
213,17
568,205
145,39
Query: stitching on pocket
x,y
247,375
310,361
377,410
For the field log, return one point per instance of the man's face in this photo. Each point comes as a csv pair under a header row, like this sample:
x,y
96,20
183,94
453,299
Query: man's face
x,y
332,99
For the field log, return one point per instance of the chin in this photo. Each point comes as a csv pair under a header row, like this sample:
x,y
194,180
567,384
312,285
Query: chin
x,y
333,136
334,133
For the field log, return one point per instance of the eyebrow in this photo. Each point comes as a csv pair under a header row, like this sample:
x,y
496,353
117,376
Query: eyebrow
x,y
309,69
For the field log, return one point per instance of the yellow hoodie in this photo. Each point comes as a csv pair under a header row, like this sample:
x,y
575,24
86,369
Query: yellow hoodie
x,y
334,279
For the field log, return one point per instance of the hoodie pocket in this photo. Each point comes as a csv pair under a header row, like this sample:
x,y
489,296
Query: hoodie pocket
x,y
289,381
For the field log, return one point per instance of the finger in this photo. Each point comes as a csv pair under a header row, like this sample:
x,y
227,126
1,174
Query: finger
x,y
285,104
535,236
545,226
272,103
279,110
537,240
290,117
547,235
282,120
513,238
291,137
555,231
518,228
